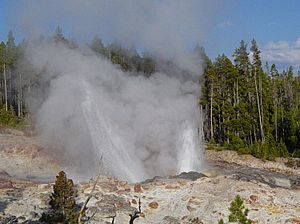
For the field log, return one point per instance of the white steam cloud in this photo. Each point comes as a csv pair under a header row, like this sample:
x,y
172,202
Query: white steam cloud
x,y
167,28
140,126
95,109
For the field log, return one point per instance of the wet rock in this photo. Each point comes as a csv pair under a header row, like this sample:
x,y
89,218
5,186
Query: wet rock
x,y
232,157
154,179
190,175
282,182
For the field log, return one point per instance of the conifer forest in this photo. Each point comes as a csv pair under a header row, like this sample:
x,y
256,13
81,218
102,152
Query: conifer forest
x,y
248,106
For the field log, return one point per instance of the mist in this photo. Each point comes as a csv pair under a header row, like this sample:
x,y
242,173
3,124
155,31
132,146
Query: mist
x,y
93,113
168,29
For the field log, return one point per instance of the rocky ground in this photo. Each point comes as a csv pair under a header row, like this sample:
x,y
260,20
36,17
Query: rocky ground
x,y
23,157
270,190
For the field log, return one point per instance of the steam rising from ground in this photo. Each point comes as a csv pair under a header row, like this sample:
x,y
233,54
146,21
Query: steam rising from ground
x,y
140,126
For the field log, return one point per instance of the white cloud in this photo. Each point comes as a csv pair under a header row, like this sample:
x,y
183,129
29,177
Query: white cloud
x,y
225,24
283,53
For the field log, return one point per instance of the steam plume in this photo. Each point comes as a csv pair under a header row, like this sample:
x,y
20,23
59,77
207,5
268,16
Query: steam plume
x,y
141,126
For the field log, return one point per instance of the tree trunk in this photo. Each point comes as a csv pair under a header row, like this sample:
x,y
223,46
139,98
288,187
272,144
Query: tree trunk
x,y
276,128
261,99
201,128
259,112
5,87
283,134
211,112
20,96
237,102
254,133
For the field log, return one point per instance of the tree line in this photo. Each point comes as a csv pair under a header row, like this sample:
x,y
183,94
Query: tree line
x,y
246,106
249,108
18,80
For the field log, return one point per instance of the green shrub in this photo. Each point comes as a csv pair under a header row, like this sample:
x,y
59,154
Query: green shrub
x,y
296,153
237,143
238,212
221,221
8,117
62,202
244,150
282,150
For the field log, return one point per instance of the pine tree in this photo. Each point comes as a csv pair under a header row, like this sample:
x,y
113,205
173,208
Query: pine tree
x,y
58,36
63,198
238,212
245,93
3,92
226,98
221,221
97,46
207,99
11,50
257,74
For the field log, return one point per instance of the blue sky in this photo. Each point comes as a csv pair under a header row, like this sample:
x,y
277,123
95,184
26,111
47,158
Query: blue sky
x,y
274,24
266,20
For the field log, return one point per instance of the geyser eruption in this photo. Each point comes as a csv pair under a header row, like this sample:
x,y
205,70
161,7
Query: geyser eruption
x,y
140,126
117,157
189,158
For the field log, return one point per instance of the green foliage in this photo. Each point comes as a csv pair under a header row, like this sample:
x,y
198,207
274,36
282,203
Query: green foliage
x,y
62,202
97,46
8,118
238,212
53,217
221,221
251,110
296,153
11,50
237,143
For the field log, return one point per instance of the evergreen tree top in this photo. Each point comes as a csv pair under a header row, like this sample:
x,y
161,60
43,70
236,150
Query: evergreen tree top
x,y
10,40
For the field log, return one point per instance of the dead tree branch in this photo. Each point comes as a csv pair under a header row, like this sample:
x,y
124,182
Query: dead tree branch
x,y
136,213
83,208
113,219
